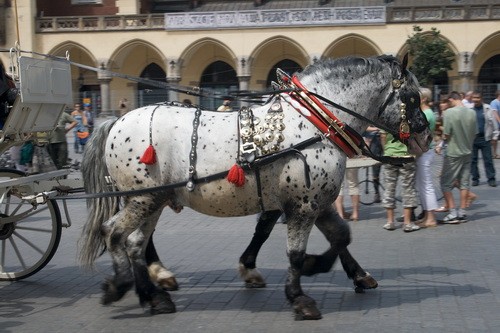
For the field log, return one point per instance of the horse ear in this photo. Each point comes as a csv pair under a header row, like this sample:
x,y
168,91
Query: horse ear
x,y
404,63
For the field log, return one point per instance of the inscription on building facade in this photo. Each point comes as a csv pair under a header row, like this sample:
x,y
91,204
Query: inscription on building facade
x,y
274,18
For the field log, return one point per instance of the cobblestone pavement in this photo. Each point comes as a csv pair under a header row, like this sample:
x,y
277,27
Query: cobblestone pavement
x,y
443,279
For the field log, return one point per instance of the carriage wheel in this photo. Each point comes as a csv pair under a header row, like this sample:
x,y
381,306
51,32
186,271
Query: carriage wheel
x,y
29,241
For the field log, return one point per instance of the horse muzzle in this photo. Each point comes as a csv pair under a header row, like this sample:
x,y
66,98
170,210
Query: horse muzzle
x,y
418,143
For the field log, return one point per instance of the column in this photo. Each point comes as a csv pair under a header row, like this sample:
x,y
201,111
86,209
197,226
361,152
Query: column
x,y
172,94
244,81
465,66
104,80
244,76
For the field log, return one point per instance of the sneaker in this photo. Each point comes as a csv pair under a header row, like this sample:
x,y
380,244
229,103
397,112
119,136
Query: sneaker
x,y
492,183
450,219
475,182
411,227
391,226
462,219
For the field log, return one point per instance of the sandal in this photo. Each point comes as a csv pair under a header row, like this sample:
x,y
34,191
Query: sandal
x,y
496,157
427,225
471,199
347,215
442,209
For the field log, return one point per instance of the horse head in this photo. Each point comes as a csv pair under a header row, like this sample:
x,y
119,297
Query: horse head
x,y
377,90
401,112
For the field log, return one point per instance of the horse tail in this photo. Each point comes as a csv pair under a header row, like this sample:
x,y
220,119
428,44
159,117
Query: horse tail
x,y
94,171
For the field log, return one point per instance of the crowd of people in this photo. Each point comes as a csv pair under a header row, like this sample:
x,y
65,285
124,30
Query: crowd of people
x,y
463,125
50,151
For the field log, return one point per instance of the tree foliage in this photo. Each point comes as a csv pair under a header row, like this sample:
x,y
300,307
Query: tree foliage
x,y
430,53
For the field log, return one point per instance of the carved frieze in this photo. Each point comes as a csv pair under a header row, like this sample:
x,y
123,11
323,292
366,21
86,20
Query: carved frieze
x,y
479,13
428,14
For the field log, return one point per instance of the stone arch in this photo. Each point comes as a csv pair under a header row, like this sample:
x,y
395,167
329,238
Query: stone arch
x,y
219,78
84,81
133,58
487,66
199,55
270,52
352,44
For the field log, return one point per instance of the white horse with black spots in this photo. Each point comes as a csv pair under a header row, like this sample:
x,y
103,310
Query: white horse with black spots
x,y
303,185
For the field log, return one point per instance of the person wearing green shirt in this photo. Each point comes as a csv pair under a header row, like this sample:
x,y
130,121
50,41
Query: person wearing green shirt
x,y
406,171
58,145
460,129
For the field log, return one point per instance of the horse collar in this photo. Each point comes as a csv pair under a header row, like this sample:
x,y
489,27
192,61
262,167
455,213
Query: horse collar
x,y
318,114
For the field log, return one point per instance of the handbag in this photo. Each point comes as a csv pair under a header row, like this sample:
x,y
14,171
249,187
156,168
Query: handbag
x,y
83,137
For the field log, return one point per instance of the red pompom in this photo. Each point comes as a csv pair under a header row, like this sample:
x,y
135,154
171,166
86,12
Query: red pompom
x,y
236,175
149,156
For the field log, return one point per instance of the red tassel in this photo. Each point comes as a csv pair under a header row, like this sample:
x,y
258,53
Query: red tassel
x,y
236,175
149,156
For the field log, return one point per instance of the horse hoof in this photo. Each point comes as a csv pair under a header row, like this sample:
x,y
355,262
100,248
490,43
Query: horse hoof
x,y
162,276
113,292
305,309
254,284
169,284
359,290
162,303
365,282
252,277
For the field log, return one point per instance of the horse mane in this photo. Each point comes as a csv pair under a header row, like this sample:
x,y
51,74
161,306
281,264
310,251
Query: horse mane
x,y
354,67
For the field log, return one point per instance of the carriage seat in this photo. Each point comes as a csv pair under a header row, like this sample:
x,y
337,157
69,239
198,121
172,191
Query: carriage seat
x,y
45,90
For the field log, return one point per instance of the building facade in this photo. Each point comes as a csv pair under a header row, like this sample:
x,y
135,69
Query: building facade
x,y
236,45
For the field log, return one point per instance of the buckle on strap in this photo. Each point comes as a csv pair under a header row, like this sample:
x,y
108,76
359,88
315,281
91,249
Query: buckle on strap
x,y
247,151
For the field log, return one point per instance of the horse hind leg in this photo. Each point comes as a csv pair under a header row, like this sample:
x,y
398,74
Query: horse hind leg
x,y
158,298
114,288
247,264
137,243
338,233
157,271
127,241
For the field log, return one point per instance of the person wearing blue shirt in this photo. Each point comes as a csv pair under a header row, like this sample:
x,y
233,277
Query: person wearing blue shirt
x,y
495,106
487,127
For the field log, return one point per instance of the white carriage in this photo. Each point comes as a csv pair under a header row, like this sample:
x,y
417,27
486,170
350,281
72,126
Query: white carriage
x,y
27,239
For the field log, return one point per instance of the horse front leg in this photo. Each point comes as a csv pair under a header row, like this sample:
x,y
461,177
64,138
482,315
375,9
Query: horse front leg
x,y
299,225
338,233
157,271
247,267
362,279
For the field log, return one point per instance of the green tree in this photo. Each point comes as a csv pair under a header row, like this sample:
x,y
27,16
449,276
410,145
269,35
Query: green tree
x,y
430,54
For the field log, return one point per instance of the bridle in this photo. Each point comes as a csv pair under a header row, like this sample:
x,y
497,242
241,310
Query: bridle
x,y
310,105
